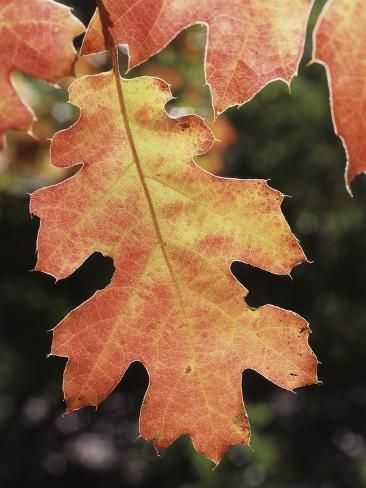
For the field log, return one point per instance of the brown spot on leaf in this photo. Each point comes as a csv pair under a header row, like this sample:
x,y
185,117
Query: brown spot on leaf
x,y
185,126
143,114
238,418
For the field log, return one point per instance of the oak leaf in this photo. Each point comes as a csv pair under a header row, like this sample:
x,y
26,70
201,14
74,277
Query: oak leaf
x,y
339,43
35,38
250,42
172,230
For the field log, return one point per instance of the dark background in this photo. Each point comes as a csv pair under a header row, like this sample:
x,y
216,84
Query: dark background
x,y
313,439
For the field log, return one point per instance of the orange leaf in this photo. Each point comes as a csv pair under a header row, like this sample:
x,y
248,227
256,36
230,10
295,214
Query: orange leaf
x,y
172,231
250,42
339,43
35,38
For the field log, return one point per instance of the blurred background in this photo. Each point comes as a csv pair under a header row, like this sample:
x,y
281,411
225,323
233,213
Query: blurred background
x,y
315,438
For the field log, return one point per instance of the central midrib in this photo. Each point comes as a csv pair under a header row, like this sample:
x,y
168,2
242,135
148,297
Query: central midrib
x,y
153,213
138,163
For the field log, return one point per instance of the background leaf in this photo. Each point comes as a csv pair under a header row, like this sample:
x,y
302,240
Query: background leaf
x,y
250,42
339,43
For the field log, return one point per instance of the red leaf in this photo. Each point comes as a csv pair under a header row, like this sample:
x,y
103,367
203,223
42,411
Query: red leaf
x,y
339,43
35,38
250,42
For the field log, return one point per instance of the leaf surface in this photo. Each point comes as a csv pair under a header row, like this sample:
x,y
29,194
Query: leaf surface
x,y
339,43
250,42
35,38
172,230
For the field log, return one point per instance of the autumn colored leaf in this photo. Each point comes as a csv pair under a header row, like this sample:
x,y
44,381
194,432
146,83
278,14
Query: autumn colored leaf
x,y
172,230
35,38
250,42
339,43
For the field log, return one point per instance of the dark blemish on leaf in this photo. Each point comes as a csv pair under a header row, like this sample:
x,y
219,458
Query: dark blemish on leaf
x,y
188,369
303,329
238,419
185,126
292,374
